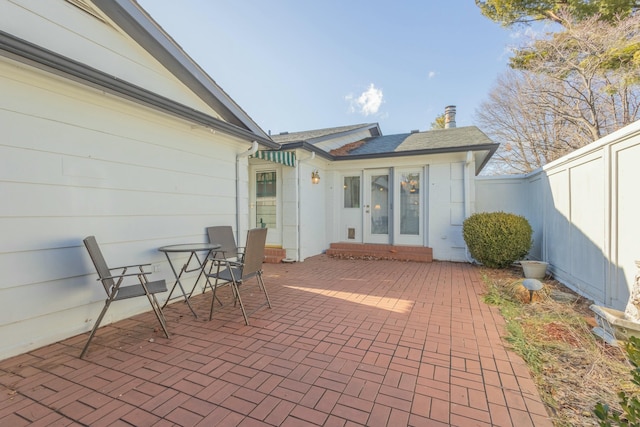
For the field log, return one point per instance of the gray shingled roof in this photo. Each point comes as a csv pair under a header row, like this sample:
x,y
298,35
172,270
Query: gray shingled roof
x,y
310,135
434,139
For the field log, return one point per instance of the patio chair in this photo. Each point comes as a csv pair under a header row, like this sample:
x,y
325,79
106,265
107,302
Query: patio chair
x,y
115,292
223,236
236,273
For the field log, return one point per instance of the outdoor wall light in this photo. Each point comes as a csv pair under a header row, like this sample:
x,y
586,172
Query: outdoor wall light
x,y
315,177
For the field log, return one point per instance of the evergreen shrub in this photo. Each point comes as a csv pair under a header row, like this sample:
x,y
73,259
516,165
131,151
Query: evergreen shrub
x,y
497,239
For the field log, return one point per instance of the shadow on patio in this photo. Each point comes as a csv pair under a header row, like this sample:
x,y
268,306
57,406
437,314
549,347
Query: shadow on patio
x,y
377,343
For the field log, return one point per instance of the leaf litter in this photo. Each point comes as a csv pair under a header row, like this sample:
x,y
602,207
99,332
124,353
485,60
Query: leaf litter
x,y
573,369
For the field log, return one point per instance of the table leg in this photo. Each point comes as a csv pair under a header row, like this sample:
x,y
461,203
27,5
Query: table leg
x,y
201,267
179,283
202,272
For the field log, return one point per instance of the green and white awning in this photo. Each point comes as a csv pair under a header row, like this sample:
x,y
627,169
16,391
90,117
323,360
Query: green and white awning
x,y
287,158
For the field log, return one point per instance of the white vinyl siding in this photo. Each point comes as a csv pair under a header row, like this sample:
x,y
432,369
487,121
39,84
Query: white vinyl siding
x,y
76,162
584,212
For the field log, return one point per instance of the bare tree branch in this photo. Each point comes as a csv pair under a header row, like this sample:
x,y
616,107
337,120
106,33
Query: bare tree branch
x,y
570,89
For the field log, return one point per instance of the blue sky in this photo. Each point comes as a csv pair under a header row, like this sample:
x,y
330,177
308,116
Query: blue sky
x,y
296,65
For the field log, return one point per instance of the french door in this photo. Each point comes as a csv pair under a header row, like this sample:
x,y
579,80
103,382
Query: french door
x,y
266,203
376,207
409,212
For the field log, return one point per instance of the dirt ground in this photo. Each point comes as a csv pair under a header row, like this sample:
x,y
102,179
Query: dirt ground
x,y
572,368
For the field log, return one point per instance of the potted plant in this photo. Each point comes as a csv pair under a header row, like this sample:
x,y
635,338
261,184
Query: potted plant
x,y
534,269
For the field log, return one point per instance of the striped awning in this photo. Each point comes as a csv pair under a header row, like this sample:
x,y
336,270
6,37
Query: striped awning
x,y
287,158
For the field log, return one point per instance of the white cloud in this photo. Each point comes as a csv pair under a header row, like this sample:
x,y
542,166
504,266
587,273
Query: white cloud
x,y
432,74
368,103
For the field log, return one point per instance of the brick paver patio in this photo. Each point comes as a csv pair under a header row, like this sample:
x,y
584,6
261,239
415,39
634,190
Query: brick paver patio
x,y
347,343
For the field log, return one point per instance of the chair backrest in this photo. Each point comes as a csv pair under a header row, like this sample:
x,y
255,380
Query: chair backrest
x,y
223,235
98,261
254,252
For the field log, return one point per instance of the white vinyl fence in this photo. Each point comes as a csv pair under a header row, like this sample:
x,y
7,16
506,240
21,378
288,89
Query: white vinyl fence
x,y
584,209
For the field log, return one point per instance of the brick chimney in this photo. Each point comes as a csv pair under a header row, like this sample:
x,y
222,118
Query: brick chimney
x,y
450,116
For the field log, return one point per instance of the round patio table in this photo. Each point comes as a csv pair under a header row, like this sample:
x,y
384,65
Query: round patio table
x,y
192,249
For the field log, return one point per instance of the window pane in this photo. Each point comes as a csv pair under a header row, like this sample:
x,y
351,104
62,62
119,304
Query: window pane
x,y
266,213
379,204
266,199
351,191
266,184
410,203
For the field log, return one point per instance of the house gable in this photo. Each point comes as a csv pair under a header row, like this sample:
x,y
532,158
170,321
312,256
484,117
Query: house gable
x,y
131,18
118,39
329,139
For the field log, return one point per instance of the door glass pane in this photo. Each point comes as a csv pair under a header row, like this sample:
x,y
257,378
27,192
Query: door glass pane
x,y
266,199
410,203
380,204
351,191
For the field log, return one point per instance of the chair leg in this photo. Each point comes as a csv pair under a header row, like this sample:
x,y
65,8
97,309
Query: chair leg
x,y
95,326
215,288
264,289
155,300
214,297
159,314
239,299
236,294
157,310
208,282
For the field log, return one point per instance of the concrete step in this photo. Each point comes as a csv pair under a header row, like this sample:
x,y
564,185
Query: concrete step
x,y
380,251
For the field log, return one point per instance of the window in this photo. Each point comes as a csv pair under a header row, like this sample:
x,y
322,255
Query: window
x,y
266,199
410,203
266,184
351,191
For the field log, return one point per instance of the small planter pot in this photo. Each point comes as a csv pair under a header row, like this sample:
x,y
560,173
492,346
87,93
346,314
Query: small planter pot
x,y
534,269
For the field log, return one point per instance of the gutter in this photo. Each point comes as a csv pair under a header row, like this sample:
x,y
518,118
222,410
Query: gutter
x,y
28,53
308,147
467,200
491,148
251,151
299,204
142,28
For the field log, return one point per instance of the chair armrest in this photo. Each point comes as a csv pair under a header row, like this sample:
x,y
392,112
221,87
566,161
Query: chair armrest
x,y
235,263
226,262
213,258
117,276
215,252
129,266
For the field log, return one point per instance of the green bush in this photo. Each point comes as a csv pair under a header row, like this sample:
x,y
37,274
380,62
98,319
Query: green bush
x,y
497,239
630,403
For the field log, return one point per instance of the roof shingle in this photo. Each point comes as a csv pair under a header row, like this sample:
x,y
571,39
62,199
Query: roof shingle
x,y
430,140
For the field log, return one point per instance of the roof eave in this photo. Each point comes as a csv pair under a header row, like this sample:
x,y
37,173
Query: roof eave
x,y
490,148
44,59
131,18
345,133
307,146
